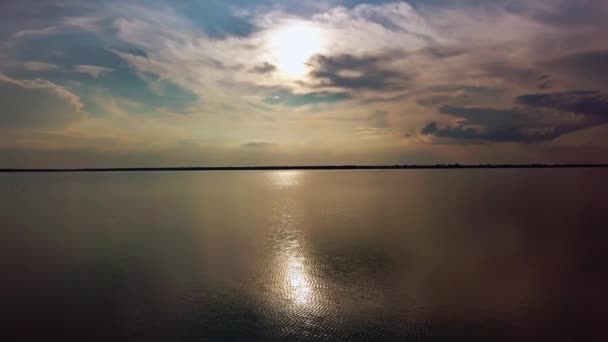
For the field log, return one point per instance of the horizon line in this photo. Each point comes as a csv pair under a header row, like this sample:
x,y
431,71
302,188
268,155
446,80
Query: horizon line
x,y
307,167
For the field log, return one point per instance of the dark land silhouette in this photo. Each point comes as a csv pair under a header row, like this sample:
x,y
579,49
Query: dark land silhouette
x,y
312,167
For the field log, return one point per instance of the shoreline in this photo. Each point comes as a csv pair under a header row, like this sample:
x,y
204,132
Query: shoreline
x,y
303,167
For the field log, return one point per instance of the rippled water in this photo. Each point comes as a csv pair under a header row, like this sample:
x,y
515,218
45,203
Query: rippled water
x,y
463,255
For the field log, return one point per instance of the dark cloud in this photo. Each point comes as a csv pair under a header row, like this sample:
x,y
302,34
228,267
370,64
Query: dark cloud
x,y
499,134
384,99
456,94
538,117
437,100
574,13
265,68
430,128
525,77
288,98
544,82
490,117
258,144
446,88
215,63
443,51
591,103
587,66
359,72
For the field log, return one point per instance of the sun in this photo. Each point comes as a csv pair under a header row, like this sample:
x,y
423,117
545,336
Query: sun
x,y
292,46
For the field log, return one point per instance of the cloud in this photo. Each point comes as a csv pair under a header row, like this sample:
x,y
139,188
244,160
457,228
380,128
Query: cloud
x,y
265,68
591,103
288,98
35,32
572,13
517,76
377,27
92,70
438,51
177,49
459,70
460,95
58,23
37,104
39,66
218,19
44,84
430,128
587,66
258,144
497,134
492,117
543,117
351,72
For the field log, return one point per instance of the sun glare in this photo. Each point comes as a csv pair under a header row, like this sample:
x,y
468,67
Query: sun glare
x,y
293,45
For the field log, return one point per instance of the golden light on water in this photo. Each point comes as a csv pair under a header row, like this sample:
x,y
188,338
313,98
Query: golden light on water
x,y
293,45
297,282
286,179
293,270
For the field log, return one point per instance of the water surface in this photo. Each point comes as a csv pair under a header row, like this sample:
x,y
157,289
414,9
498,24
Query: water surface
x,y
420,255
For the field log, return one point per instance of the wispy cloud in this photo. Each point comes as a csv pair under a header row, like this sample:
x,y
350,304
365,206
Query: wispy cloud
x,y
39,66
92,70
35,32
37,103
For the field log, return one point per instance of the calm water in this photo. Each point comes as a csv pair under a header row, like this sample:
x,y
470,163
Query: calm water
x,y
463,255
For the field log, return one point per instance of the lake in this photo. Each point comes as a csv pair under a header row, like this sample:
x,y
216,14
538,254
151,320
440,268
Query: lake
x,y
393,255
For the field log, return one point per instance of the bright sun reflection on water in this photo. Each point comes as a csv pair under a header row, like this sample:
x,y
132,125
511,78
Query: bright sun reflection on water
x,y
292,269
297,282
285,179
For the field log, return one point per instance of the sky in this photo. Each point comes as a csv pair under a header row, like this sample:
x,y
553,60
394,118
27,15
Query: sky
x,y
263,82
